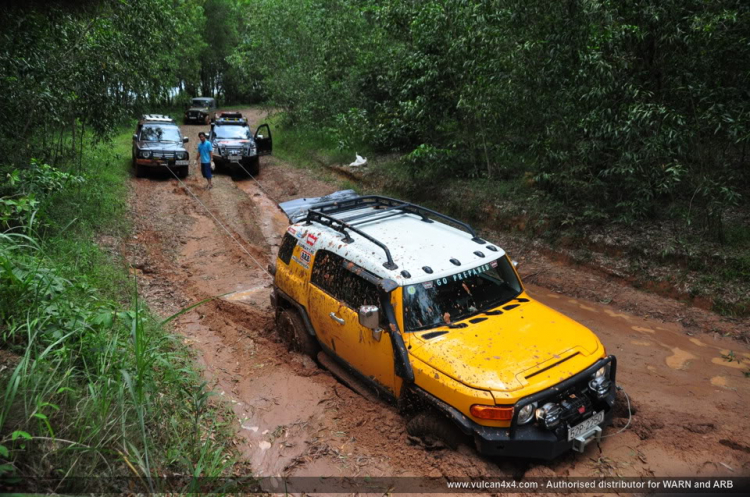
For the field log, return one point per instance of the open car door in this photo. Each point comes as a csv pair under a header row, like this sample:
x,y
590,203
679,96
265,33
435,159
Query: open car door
x,y
263,140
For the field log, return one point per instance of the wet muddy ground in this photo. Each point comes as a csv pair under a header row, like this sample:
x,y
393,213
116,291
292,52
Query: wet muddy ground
x,y
686,382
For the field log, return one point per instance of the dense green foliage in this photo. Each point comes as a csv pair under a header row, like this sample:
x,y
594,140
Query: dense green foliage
x,y
71,68
91,385
615,109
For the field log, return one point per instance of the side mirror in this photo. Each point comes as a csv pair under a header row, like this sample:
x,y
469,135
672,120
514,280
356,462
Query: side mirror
x,y
369,316
185,139
515,263
135,137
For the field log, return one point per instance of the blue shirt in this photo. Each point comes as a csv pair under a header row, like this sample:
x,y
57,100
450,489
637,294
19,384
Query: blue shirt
x,y
205,148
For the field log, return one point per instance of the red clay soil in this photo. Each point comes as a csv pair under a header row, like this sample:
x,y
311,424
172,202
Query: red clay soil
x,y
691,403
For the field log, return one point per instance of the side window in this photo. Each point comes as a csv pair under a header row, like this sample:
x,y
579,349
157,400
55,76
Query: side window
x,y
287,248
327,272
330,276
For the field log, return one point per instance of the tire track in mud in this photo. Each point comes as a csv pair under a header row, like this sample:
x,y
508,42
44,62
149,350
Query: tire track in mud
x,y
295,419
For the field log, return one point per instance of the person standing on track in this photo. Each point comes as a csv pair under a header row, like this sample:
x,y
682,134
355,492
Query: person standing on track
x,y
205,148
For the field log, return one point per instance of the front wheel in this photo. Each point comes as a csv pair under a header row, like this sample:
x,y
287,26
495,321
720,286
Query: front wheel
x,y
293,332
182,172
431,427
140,171
253,168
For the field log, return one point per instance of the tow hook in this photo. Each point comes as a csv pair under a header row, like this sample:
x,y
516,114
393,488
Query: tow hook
x,y
581,441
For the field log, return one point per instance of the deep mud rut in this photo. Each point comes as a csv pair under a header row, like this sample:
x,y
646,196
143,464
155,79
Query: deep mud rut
x,y
691,403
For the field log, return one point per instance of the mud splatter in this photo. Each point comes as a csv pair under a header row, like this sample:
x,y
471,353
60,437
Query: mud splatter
x,y
679,359
719,381
720,361
642,329
616,314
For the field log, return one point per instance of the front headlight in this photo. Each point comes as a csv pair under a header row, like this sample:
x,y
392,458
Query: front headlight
x,y
180,155
526,413
145,154
601,372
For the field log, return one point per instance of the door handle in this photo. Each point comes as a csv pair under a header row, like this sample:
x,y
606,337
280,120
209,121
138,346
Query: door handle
x,y
336,318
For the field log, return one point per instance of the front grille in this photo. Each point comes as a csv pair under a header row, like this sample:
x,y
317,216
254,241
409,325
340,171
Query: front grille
x,y
163,155
576,404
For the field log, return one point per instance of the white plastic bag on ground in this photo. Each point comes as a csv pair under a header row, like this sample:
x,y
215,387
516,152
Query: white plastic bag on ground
x,y
359,161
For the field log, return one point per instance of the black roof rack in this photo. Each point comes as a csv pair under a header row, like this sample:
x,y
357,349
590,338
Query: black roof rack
x,y
393,207
341,227
383,207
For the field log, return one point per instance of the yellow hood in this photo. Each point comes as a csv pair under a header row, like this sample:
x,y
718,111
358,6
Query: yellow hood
x,y
502,353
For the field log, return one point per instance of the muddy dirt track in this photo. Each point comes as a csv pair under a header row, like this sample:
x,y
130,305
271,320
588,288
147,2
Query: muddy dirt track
x,y
691,403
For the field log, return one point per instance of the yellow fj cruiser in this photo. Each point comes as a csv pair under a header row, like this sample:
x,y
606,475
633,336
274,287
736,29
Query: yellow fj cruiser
x,y
435,319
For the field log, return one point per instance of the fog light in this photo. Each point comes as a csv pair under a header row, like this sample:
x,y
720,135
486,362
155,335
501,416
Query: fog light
x,y
549,415
526,413
600,386
600,372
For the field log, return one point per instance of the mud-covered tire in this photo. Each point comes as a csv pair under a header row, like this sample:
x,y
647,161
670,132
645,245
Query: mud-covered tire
x,y
251,168
431,427
140,171
255,167
292,331
182,172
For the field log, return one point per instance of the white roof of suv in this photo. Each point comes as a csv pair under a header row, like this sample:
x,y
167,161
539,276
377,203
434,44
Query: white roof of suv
x,y
414,244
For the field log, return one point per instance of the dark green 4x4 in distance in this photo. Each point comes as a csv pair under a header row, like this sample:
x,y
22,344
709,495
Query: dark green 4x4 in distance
x,y
202,111
158,143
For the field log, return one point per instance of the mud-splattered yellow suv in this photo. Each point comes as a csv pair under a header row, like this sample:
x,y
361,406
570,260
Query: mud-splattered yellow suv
x,y
433,318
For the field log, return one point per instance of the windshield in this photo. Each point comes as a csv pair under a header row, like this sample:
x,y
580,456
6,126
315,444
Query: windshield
x,y
233,132
200,103
459,296
156,133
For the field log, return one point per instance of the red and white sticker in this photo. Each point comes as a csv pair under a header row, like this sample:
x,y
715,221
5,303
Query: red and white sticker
x,y
291,230
493,263
311,239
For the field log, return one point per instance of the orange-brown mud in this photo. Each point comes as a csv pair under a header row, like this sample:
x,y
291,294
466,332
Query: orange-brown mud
x,y
292,418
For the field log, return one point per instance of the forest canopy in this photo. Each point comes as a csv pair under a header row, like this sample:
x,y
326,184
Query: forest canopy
x,y
615,109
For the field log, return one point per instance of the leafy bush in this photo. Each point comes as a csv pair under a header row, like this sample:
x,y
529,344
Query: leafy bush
x,y
90,376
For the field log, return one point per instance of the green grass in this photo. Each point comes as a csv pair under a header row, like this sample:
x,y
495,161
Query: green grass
x,y
310,147
93,385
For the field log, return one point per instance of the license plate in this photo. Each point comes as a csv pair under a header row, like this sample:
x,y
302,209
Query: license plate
x,y
181,162
235,158
586,426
